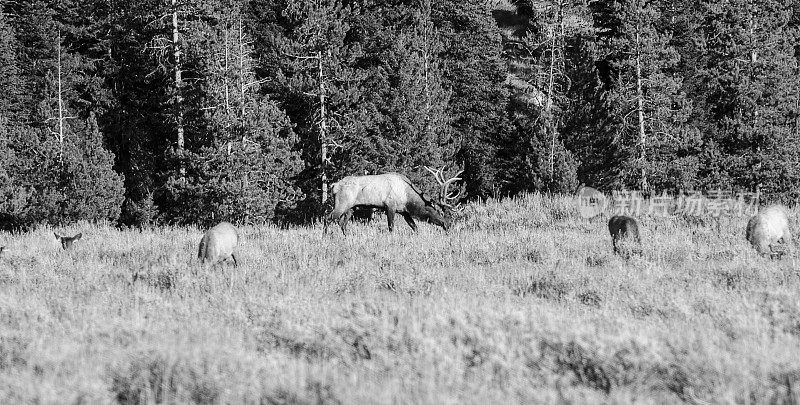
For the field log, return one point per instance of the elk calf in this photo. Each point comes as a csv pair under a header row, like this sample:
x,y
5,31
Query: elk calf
x,y
218,244
768,232
66,241
624,230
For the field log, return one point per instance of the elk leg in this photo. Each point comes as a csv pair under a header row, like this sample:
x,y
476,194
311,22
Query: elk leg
x,y
326,220
333,216
235,263
409,220
787,239
390,218
343,219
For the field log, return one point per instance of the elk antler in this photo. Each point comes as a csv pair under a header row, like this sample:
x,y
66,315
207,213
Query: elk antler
x,y
446,198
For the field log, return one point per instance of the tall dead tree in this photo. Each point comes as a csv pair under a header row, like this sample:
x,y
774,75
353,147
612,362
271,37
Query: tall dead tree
x,y
548,83
178,84
61,112
319,47
643,185
555,68
321,119
323,126
60,103
244,66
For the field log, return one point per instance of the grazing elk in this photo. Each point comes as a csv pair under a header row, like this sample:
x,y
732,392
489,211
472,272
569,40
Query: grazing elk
x,y
393,193
218,244
768,232
66,241
624,230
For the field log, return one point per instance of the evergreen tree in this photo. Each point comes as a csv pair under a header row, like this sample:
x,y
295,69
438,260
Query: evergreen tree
x,y
747,91
318,84
474,72
585,114
92,189
14,199
61,164
141,126
656,147
244,166
12,100
535,157
408,105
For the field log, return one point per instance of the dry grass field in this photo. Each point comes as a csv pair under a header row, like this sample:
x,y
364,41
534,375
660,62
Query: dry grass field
x,y
521,302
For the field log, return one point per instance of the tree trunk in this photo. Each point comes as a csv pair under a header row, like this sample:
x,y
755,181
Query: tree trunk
x,y
242,83
548,116
176,52
323,128
226,73
640,110
60,104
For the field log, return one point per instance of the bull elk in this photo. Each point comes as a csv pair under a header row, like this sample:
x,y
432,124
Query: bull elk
x,y
624,234
218,244
67,241
768,232
393,193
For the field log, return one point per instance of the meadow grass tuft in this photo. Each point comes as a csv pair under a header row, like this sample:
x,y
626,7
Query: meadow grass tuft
x,y
523,301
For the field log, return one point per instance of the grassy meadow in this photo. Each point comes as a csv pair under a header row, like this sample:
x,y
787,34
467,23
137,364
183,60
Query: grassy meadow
x,y
521,302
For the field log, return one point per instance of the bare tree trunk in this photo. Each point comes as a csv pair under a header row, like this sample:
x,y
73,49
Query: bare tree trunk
x,y
226,72
176,52
640,107
548,116
323,128
242,84
60,104
226,79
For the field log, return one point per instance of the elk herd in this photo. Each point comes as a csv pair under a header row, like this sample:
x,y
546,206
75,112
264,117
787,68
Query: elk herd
x,y
767,231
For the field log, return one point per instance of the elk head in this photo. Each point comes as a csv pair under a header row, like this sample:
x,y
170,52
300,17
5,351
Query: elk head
x,y
66,241
448,201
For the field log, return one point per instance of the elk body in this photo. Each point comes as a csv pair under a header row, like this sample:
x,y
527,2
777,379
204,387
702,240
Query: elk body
x,y
769,229
66,241
624,230
218,244
393,193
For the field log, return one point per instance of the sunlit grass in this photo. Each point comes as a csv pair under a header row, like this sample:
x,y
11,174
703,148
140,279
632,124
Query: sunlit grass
x,y
521,302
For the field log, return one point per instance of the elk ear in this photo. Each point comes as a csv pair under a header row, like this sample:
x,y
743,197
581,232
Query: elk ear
x,y
77,237
425,199
57,236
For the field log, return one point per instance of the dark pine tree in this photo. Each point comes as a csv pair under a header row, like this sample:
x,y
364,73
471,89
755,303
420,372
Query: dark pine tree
x,y
474,71
746,85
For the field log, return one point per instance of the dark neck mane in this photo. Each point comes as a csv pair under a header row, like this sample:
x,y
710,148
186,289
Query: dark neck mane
x,y
413,187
